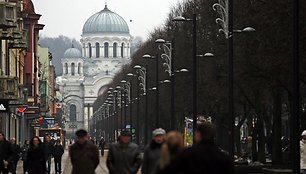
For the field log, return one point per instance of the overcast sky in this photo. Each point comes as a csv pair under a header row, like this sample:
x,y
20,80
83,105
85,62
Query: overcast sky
x,y
67,17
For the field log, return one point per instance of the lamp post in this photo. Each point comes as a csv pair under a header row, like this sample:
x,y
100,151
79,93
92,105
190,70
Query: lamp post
x,y
295,127
147,56
142,77
194,67
128,88
225,10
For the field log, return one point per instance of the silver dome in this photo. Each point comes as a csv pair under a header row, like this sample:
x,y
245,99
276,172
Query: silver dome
x,y
72,53
105,21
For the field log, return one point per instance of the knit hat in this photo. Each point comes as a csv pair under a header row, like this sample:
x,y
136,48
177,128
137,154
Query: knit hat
x,y
304,133
159,131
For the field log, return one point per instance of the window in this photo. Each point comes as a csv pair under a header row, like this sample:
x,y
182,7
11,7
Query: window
x,y
84,49
72,69
97,50
72,113
79,68
66,68
89,49
122,49
106,49
115,49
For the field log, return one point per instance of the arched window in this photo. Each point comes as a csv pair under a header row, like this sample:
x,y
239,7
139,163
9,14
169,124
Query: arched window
x,y
106,49
66,68
72,113
97,50
115,49
89,49
79,68
122,49
72,69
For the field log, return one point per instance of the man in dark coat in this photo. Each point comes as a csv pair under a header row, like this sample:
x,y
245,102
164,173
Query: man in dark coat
x,y
84,154
152,152
5,153
123,156
48,149
102,146
204,157
14,158
58,151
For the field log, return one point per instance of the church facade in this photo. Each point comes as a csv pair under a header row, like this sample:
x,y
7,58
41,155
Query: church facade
x,y
87,72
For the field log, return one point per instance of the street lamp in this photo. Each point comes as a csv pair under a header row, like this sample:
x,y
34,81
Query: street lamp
x,y
147,56
128,87
225,10
194,65
143,83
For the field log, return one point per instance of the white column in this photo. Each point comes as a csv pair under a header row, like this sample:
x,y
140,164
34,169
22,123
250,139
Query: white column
x,y
93,50
85,117
110,51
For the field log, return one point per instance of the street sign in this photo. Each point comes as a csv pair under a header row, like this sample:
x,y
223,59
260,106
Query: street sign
x,y
21,109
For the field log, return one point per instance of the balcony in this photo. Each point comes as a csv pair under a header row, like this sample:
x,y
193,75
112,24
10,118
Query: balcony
x,y
8,15
9,88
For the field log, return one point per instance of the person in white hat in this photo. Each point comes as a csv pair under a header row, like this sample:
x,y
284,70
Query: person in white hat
x,y
303,152
152,152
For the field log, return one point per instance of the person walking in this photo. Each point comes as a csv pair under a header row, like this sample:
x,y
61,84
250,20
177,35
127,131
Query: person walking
x,y
303,152
152,152
5,153
24,152
203,157
123,156
48,149
173,145
36,161
58,151
102,146
84,155
15,156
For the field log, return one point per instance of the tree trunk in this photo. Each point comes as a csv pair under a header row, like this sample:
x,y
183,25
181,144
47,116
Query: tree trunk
x,y
277,127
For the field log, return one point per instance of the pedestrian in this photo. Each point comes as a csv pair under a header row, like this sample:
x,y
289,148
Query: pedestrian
x,y
173,145
36,158
102,146
152,152
84,154
203,157
48,149
303,152
58,151
14,158
24,152
5,153
123,156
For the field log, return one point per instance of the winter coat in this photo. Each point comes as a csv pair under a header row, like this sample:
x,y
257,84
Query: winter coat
x,y
102,144
48,149
123,158
151,158
58,151
303,154
15,152
36,160
204,157
5,152
84,158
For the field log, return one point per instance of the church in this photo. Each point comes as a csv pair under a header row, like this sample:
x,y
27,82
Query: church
x,y
87,72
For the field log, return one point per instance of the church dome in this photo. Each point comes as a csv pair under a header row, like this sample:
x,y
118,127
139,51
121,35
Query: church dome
x,y
72,53
105,21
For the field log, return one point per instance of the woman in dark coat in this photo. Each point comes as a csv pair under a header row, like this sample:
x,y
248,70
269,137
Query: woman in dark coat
x,y
36,158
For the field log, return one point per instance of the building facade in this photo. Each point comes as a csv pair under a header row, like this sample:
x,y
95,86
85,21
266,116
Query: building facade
x,y
87,72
